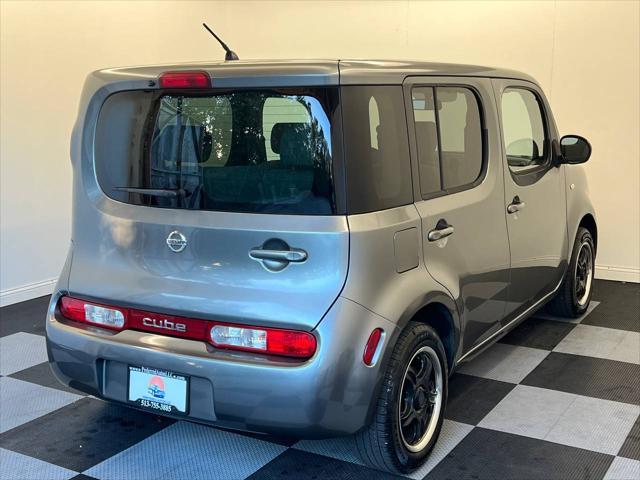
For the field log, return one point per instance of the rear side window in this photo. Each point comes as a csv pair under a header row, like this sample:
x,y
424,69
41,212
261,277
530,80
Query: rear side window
x,y
449,137
424,116
523,130
378,170
259,151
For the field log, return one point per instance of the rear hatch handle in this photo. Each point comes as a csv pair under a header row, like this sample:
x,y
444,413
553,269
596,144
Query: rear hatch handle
x,y
294,255
275,254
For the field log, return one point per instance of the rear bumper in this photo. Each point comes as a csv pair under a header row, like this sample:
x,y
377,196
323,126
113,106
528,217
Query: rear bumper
x,y
329,394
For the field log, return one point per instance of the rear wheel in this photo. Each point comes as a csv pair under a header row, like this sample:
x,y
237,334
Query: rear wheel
x,y
574,295
410,408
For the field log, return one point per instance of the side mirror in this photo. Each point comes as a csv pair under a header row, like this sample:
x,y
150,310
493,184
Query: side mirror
x,y
575,149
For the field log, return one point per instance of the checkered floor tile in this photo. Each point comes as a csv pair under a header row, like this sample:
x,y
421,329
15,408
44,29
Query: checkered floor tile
x,y
554,399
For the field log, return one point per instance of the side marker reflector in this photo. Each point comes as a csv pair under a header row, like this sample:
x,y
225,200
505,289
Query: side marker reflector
x,y
372,346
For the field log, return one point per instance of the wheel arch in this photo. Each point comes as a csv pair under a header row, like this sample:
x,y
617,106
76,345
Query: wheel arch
x,y
438,316
580,209
436,309
439,311
589,222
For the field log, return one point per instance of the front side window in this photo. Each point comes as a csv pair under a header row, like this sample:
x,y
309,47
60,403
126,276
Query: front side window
x,y
260,151
523,130
449,138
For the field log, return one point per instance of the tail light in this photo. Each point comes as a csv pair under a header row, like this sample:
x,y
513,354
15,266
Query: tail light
x,y
94,314
185,79
274,341
289,343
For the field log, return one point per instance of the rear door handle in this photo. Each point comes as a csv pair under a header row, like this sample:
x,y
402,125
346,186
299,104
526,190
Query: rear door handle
x,y
294,255
442,230
516,205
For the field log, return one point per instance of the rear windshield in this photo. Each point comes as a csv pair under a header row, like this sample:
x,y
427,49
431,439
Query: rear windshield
x,y
259,151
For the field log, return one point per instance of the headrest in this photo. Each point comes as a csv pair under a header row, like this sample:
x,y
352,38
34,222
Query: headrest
x,y
296,146
278,130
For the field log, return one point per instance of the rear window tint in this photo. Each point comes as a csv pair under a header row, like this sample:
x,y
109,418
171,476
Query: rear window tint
x,y
259,151
378,170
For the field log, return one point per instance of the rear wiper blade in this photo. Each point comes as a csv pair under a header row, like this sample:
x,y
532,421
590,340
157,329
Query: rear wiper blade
x,y
155,192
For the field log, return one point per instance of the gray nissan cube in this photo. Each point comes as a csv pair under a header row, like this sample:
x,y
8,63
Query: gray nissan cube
x,y
311,248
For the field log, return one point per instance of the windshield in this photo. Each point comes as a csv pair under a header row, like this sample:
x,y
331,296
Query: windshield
x,y
261,151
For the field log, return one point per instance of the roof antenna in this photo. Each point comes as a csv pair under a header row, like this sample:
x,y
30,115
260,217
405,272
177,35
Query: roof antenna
x,y
230,55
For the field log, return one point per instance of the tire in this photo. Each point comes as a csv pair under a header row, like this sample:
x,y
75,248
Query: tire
x,y
571,301
385,444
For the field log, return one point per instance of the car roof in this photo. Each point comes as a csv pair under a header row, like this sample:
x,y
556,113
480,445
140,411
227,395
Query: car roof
x,y
397,70
248,73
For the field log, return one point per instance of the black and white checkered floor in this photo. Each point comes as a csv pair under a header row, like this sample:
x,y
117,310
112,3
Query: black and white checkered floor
x,y
553,400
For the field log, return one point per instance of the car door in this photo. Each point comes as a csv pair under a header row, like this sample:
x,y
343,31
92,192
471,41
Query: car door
x,y
534,194
458,182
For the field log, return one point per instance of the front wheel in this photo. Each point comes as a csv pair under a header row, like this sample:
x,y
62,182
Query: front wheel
x,y
574,295
410,407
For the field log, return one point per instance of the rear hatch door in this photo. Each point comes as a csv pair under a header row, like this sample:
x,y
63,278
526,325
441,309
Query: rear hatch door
x,y
217,203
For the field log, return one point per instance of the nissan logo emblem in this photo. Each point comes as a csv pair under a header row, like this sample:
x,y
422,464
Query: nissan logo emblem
x,y
176,241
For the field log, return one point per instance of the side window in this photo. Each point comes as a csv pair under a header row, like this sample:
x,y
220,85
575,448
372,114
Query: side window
x,y
449,138
378,170
281,110
424,116
460,136
523,129
374,122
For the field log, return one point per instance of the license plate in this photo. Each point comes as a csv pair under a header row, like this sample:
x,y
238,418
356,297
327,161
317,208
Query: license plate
x,y
159,390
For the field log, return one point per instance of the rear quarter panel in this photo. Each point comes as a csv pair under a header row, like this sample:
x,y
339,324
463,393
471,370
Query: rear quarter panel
x,y
374,280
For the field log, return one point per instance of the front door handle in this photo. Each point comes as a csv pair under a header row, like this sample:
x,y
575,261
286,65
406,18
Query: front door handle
x,y
442,230
516,205
294,255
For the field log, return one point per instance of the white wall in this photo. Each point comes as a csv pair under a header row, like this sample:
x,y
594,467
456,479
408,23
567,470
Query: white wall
x,y
585,54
